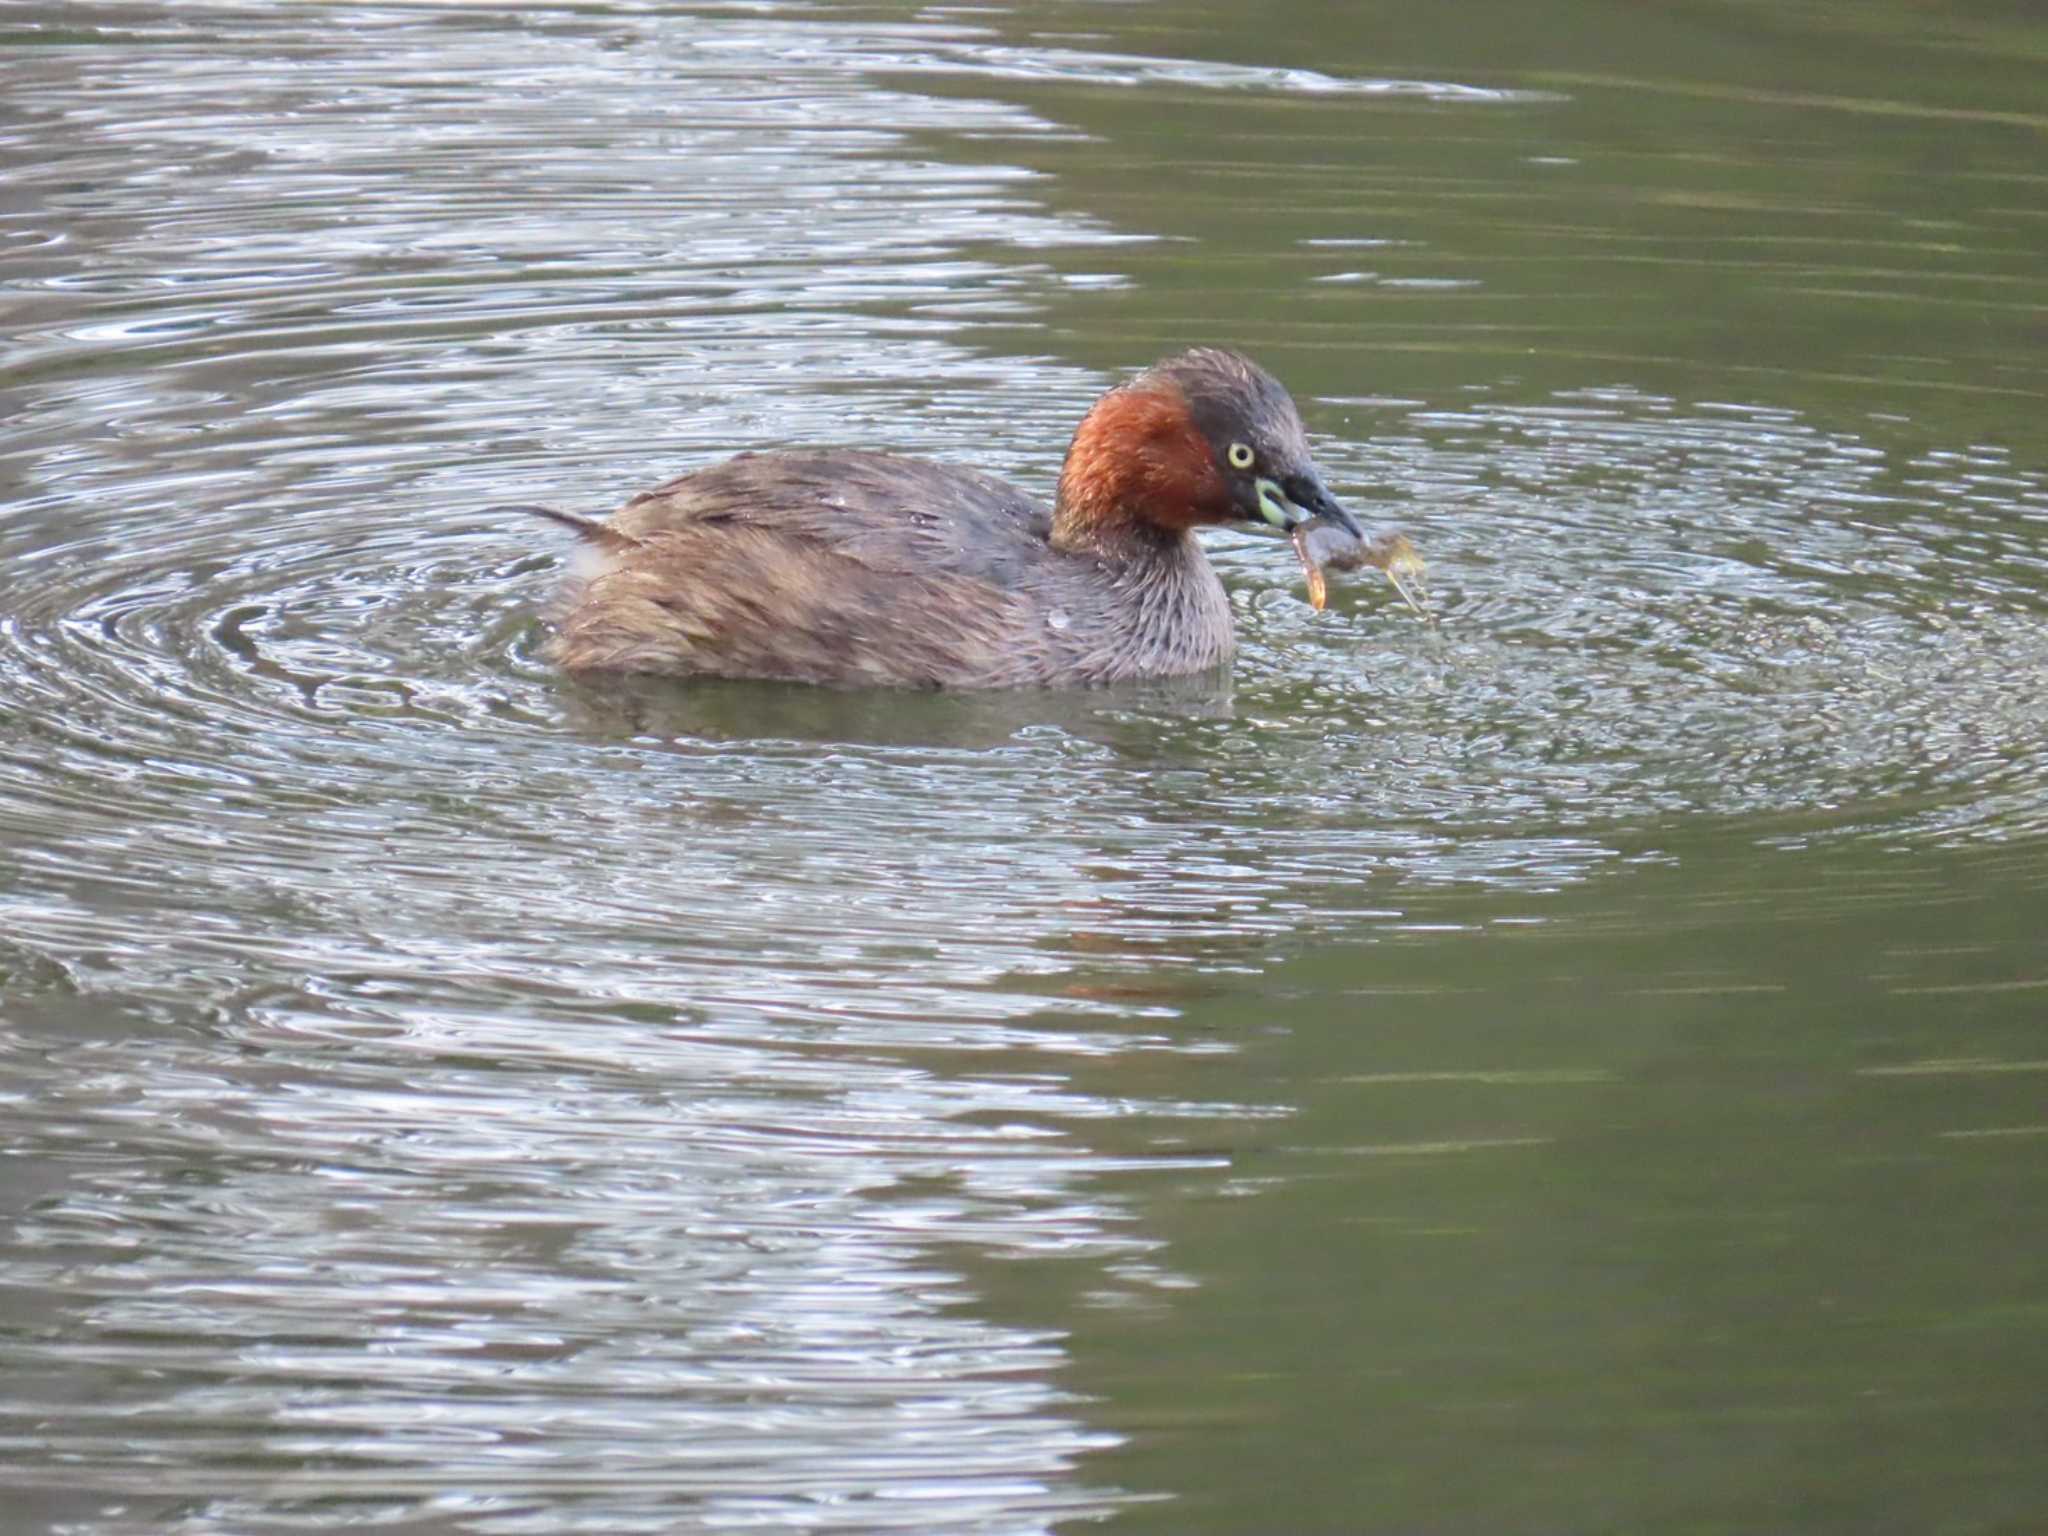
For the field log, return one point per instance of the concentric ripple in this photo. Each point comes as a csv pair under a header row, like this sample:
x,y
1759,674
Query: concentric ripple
x,y
462,1099
1651,610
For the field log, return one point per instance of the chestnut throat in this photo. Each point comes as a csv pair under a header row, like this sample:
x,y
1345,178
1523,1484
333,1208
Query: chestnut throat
x,y
1138,476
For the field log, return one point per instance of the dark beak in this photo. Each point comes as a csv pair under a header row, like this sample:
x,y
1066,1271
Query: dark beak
x,y
1318,502
1289,503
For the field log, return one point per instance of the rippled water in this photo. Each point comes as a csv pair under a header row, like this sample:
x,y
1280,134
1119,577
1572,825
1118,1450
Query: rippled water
x,y
444,1096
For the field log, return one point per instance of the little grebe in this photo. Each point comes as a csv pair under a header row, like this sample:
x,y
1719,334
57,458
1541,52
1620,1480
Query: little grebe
x,y
863,569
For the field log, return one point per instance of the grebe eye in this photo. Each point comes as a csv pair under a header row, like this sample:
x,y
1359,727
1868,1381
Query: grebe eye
x,y
1240,456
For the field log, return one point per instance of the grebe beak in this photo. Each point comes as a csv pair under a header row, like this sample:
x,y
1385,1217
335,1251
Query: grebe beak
x,y
1289,503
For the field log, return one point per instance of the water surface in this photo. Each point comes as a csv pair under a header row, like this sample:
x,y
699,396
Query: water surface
x,y
1577,1067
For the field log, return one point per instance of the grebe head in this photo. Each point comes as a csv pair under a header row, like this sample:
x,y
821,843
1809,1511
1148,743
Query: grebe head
x,y
1206,436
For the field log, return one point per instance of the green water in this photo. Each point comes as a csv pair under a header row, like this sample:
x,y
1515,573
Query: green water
x,y
1579,1068
1697,1204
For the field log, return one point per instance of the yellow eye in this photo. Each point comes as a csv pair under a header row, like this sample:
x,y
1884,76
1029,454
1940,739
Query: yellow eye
x,y
1240,456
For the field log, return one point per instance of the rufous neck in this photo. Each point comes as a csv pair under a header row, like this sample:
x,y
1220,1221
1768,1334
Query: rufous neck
x,y
1134,476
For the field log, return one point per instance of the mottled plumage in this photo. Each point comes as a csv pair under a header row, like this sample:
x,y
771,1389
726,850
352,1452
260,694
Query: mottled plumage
x,y
857,569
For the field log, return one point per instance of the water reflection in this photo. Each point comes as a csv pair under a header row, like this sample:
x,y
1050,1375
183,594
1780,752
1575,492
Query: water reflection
x,y
354,1240
446,1095
1759,617
426,1126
